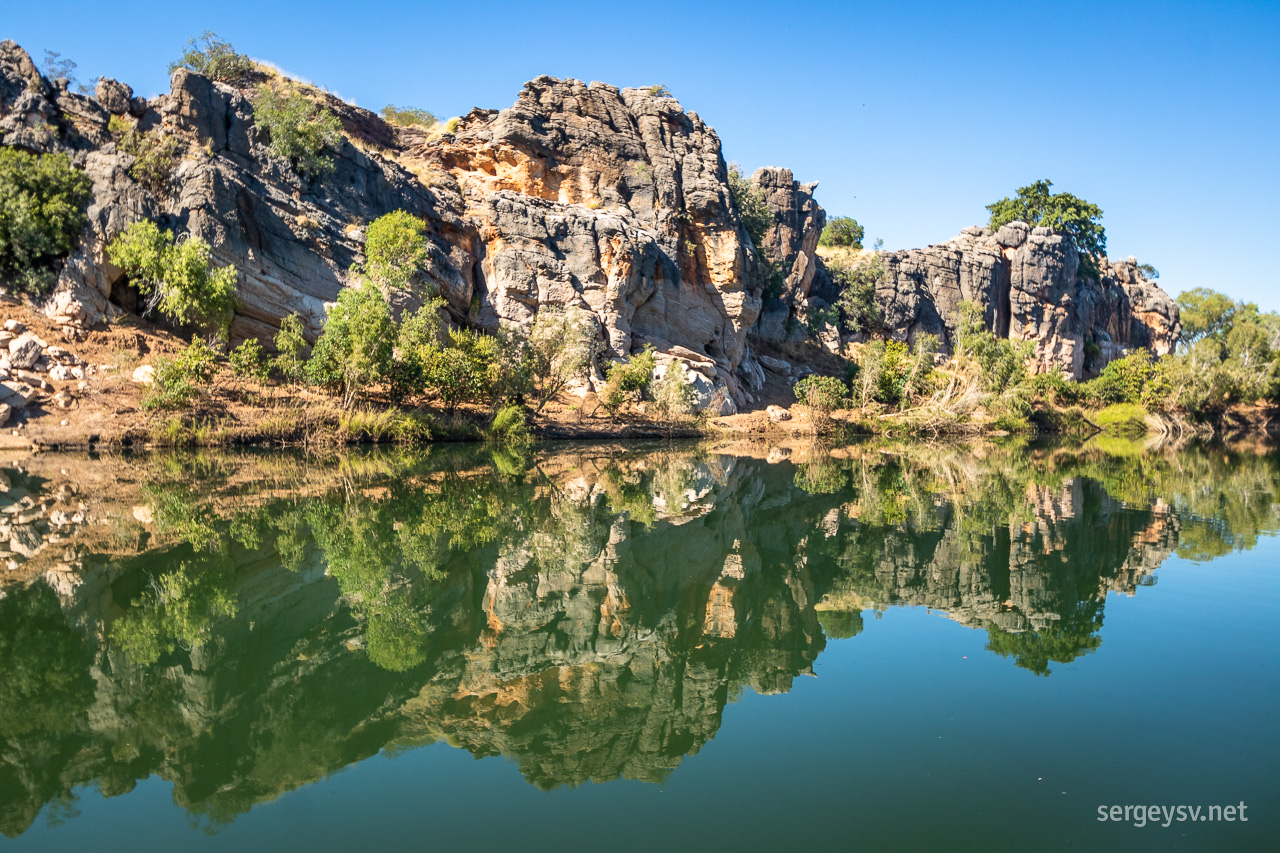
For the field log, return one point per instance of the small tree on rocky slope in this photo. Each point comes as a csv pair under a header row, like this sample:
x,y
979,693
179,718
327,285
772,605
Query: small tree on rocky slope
x,y
1035,205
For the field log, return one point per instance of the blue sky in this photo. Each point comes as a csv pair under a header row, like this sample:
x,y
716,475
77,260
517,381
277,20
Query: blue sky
x,y
912,116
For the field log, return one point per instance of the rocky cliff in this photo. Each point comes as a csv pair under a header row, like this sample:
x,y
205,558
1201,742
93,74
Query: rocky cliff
x,y
1029,282
615,200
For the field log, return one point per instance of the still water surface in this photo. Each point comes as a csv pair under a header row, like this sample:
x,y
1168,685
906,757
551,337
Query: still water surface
x,y
881,646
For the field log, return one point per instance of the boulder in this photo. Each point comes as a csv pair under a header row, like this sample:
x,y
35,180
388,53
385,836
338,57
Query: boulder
x,y
144,375
25,350
114,96
777,414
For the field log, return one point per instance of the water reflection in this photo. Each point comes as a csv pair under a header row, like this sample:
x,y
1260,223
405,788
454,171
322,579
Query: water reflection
x,y
242,625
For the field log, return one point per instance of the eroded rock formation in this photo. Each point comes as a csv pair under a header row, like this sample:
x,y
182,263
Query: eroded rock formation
x,y
615,200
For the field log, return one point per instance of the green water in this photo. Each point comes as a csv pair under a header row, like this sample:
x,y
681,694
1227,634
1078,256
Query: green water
x,y
884,646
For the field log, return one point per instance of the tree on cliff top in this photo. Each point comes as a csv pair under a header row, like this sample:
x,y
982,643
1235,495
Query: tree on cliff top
x,y
1035,205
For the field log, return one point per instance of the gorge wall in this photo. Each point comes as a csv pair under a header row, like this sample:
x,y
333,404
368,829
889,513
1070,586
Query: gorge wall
x,y
614,200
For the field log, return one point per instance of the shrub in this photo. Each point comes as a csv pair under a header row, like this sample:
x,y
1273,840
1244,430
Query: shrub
x,y
562,346
1002,363
177,274
1121,381
354,350
42,210
1035,205
249,361
155,154
299,129
627,381
395,248
178,380
466,370
890,372
857,283
1123,419
842,232
407,116
672,393
509,427
291,347
214,58
418,341
821,395
753,208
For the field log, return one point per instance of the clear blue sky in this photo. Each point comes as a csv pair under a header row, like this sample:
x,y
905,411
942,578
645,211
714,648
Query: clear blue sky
x,y
912,116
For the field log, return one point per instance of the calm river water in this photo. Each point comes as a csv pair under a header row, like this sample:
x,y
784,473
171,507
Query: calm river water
x,y
642,647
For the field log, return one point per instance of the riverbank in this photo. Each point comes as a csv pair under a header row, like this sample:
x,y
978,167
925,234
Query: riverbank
x,y
63,389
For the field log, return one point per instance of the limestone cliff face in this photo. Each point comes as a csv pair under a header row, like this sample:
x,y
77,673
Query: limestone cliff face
x,y
615,200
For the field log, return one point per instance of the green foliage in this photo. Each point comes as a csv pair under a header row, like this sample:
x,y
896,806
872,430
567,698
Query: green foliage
x,y
45,686
1149,271
465,371
1205,313
177,381
627,381
407,116
857,281
354,351
509,427
1002,363
177,274
300,129
214,58
822,395
659,90
893,373
842,232
291,347
1122,380
249,361
179,611
1035,205
563,345
42,211
752,206
672,394
1128,420
418,342
155,153
395,249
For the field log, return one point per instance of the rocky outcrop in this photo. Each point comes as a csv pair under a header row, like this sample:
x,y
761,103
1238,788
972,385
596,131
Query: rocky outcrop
x,y
1028,281
614,200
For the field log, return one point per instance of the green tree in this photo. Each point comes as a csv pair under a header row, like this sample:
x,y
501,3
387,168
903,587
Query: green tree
x,y
291,347
821,395
465,371
354,351
627,381
395,249
857,281
1205,313
418,344
45,685
249,361
1036,206
300,130
214,58
562,346
42,211
177,274
842,232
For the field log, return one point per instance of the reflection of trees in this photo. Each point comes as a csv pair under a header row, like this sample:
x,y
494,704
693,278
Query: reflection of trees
x,y
588,616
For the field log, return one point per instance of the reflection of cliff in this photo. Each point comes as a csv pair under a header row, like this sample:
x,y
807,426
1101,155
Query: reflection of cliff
x,y
589,621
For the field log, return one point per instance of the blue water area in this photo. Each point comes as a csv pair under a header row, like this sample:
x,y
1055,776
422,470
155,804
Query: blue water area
x,y
903,649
